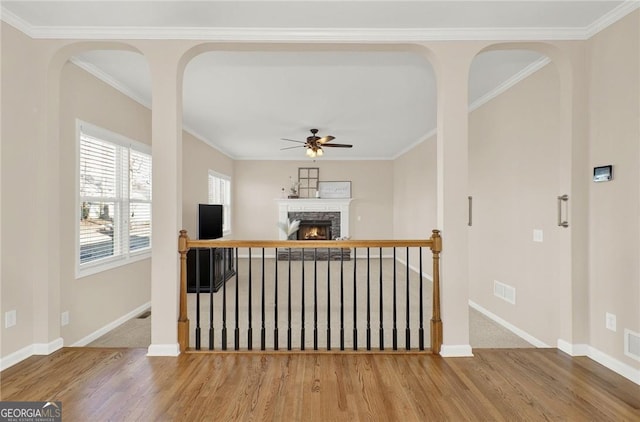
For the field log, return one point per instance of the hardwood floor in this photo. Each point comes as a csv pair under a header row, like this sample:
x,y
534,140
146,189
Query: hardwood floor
x,y
502,385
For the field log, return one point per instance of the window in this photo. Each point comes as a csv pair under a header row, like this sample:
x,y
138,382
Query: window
x,y
114,201
220,193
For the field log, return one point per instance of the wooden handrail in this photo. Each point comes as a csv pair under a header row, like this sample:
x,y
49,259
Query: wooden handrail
x,y
309,244
434,243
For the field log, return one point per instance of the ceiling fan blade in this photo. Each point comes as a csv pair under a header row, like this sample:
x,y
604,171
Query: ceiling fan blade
x,y
292,140
326,139
301,146
337,145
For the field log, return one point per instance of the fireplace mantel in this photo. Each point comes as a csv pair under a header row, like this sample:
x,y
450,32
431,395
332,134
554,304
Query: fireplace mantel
x,y
285,206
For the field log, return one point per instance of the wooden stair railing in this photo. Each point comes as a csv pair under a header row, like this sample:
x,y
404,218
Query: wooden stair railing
x,y
434,243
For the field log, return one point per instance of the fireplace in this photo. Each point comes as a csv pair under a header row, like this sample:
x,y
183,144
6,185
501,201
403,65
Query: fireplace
x,y
314,230
320,219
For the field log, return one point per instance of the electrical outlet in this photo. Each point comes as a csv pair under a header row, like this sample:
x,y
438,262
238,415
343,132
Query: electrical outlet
x,y
537,235
64,318
10,319
610,322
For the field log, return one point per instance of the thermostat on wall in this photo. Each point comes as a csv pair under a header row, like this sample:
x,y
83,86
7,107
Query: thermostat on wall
x,y
602,174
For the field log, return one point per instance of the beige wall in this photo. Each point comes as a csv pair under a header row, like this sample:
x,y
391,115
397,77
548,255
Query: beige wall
x,y
615,206
198,158
96,300
513,178
414,195
258,183
613,135
22,225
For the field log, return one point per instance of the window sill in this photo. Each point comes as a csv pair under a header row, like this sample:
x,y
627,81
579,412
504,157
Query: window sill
x,y
91,269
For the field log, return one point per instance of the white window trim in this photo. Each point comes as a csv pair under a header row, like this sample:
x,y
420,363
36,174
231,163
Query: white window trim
x,y
227,178
100,265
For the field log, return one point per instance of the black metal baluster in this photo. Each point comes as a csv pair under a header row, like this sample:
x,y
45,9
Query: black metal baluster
x,y
342,299
395,304
250,309
197,252
315,299
381,307
212,272
421,330
236,332
368,299
408,331
328,298
289,306
224,303
263,332
275,307
302,306
355,303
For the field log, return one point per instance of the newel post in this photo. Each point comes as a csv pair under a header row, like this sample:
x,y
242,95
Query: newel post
x,y
436,322
183,321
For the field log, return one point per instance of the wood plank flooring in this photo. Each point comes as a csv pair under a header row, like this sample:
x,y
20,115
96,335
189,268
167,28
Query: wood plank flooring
x,y
501,385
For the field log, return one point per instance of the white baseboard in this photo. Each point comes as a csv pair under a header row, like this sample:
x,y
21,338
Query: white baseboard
x,y
602,358
27,352
104,330
16,357
573,349
515,330
456,351
415,269
48,348
163,350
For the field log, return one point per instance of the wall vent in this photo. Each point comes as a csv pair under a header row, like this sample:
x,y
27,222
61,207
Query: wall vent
x,y
632,344
504,291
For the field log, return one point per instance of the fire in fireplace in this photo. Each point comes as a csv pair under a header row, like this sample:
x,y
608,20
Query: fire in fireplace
x,y
314,230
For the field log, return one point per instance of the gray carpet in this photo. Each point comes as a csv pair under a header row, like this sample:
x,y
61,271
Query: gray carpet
x,y
484,333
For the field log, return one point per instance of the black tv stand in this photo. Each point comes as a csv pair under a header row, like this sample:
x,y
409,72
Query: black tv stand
x,y
202,260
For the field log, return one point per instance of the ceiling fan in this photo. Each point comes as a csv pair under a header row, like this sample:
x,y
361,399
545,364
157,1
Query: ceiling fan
x,y
314,144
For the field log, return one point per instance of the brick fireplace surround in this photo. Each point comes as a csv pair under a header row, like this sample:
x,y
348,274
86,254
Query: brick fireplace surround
x,y
334,210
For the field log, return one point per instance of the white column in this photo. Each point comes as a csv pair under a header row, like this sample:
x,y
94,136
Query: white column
x,y
166,77
452,70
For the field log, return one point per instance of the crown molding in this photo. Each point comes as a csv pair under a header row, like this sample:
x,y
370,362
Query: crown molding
x,y
305,34
429,134
12,19
612,17
521,75
109,80
319,34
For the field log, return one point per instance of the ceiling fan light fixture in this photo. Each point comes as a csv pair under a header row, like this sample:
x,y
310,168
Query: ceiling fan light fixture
x,y
315,144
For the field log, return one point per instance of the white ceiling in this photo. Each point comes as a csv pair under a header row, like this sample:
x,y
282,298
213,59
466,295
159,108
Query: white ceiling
x,y
243,103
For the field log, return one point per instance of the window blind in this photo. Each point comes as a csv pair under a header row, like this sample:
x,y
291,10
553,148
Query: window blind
x,y
114,197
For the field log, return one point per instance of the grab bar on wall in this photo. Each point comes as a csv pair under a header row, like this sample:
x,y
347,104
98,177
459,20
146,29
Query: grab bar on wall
x,y
561,221
470,223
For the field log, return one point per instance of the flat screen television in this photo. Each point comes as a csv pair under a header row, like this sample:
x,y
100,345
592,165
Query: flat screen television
x,y
207,261
209,221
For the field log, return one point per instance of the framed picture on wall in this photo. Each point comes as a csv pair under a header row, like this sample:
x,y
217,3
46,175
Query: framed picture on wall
x,y
308,179
334,190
